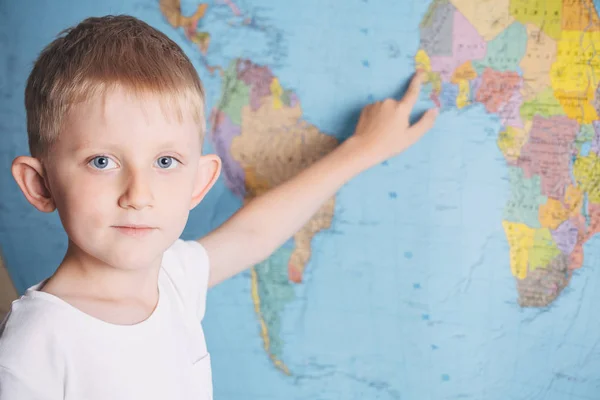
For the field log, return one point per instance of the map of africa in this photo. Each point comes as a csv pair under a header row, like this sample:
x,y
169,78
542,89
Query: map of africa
x,y
534,65
464,268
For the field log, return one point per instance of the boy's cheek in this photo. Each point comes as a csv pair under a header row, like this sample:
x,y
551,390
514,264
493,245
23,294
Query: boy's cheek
x,y
85,203
171,190
79,213
87,195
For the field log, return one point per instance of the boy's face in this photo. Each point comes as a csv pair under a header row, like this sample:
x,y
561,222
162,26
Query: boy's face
x,y
124,175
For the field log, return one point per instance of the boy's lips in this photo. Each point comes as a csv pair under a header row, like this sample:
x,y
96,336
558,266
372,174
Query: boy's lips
x,y
134,230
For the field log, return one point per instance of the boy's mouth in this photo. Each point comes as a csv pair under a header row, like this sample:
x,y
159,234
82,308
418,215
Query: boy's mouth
x,y
134,230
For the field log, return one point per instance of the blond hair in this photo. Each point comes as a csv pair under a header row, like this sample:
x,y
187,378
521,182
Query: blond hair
x,y
98,54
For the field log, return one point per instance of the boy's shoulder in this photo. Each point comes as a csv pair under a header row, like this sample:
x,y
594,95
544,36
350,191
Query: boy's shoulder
x,y
186,265
185,257
33,327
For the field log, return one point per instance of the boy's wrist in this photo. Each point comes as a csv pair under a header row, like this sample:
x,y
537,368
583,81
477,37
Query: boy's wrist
x,y
360,154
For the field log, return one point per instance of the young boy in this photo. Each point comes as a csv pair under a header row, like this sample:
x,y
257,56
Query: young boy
x,y
115,118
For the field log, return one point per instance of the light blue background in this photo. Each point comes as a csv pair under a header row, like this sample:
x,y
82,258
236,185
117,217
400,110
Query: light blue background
x,y
409,295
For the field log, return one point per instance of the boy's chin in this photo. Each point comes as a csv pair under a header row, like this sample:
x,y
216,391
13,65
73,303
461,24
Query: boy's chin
x,y
136,257
123,252
130,256
135,262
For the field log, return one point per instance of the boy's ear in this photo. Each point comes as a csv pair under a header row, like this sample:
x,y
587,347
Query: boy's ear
x,y
30,176
209,168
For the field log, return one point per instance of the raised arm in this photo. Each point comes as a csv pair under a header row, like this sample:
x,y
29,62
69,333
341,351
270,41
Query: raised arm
x,y
266,222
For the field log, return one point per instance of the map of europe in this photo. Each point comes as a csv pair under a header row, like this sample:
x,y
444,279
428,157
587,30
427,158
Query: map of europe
x,y
464,268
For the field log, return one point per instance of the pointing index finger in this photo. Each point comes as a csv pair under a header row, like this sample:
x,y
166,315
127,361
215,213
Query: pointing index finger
x,y
412,94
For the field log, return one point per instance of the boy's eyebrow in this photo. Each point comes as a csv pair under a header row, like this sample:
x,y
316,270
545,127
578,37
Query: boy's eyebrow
x,y
87,144
171,144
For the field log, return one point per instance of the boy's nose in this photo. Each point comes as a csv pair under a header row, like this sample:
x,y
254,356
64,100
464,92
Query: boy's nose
x,y
138,191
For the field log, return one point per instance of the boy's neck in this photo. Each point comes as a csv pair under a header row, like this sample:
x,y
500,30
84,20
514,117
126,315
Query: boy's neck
x,y
113,294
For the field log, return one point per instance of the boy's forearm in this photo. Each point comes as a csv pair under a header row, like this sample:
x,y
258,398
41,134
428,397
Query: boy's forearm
x,y
281,212
268,221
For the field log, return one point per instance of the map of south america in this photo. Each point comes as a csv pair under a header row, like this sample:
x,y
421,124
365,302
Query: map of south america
x,y
258,129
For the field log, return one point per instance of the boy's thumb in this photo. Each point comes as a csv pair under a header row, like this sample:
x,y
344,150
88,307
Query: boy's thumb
x,y
425,123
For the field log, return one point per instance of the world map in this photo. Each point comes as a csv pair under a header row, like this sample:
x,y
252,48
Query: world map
x,y
464,268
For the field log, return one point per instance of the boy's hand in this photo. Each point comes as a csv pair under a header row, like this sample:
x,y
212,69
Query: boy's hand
x,y
384,130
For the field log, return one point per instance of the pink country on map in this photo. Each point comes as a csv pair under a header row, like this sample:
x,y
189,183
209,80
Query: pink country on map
x,y
548,153
451,41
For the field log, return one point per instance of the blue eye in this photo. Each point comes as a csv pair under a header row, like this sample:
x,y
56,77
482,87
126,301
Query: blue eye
x,y
167,162
102,162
